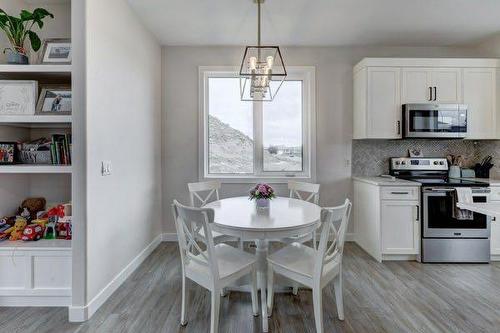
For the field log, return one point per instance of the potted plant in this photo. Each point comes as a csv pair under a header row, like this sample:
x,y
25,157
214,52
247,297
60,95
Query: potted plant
x,y
17,29
262,193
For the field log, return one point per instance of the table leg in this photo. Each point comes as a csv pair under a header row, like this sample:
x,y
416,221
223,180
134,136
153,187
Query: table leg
x,y
262,250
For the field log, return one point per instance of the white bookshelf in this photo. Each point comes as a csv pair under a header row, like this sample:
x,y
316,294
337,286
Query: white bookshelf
x,y
6,68
35,169
42,244
35,121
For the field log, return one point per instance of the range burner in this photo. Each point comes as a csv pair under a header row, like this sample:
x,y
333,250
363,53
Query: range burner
x,y
428,172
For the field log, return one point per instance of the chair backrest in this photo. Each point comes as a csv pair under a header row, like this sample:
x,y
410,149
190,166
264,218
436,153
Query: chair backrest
x,y
310,191
188,223
329,252
203,192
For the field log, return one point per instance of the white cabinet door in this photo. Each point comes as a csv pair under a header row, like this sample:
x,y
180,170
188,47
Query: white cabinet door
x,y
400,232
480,96
495,237
416,85
447,85
384,103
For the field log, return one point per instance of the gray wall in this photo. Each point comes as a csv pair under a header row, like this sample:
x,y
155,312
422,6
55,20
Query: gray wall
x,y
333,103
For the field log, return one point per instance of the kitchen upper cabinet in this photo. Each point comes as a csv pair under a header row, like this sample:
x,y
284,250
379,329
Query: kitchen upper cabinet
x,y
383,85
426,85
446,84
378,113
416,86
400,227
480,97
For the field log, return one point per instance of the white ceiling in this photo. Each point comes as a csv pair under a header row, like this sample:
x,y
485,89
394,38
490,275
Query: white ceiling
x,y
321,22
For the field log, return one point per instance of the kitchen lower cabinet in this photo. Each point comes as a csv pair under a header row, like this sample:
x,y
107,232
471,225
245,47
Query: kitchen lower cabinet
x,y
495,226
400,227
387,219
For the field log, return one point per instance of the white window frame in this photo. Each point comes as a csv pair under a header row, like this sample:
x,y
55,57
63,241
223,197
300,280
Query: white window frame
x,y
304,73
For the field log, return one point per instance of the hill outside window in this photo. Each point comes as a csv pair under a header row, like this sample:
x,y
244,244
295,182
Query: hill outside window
x,y
245,140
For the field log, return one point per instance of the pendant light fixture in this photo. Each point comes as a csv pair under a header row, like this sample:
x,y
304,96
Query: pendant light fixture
x,y
262,70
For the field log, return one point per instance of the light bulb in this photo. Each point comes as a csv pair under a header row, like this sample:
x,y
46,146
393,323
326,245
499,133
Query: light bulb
x,y
270,62
253,63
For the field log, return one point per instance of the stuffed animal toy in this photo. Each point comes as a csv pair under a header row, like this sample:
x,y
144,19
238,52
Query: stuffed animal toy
x,y
16,232
34,205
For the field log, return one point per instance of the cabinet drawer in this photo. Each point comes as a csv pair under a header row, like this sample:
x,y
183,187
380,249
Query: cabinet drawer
x,y
400,193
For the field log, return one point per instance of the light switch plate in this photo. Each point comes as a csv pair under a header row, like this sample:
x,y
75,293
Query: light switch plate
x,y
106,168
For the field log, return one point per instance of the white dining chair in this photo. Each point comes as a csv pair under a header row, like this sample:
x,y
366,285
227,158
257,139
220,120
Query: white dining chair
x,y
315,268
307,192
202,193
214,268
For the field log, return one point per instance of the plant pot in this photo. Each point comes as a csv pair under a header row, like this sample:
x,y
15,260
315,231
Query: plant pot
x,y
16,58
262,203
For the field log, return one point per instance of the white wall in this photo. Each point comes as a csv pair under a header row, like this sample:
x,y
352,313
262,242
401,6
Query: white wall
x,y
333,102
123,126
59,27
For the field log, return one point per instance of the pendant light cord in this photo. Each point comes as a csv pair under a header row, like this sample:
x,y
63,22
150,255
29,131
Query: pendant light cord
x,y
258,22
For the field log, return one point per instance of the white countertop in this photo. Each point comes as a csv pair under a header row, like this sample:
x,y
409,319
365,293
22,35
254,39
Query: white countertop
x,y
384,181
491,181
490,209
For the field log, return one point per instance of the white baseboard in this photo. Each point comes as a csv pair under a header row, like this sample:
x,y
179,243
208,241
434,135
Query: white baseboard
x,y
35,300
495,257
169,237
350,237
83,313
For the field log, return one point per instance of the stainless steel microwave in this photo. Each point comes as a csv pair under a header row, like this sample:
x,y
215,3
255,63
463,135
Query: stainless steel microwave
x,y
435,121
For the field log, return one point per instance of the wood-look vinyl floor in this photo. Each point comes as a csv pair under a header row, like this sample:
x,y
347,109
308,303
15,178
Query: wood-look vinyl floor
x,y
387,297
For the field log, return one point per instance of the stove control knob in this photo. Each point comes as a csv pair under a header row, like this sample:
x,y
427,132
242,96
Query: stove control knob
x,y
397,162
441,163
403,162
436,162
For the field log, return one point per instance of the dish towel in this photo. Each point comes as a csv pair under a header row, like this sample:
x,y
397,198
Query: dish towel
x,y
462,195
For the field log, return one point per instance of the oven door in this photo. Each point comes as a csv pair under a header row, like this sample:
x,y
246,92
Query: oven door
x,y
438,216
435,120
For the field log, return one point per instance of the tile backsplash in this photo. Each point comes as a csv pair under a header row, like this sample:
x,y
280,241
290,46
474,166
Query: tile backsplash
x,y
371,157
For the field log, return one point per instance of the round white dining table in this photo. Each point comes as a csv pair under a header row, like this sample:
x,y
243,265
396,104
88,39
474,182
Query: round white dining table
x,y
285,217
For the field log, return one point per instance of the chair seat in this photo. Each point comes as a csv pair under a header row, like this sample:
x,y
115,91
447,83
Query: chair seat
x,y
216,235
229,260
300,259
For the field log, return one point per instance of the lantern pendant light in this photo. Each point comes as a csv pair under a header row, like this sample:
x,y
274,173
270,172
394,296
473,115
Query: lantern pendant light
x,y
262,70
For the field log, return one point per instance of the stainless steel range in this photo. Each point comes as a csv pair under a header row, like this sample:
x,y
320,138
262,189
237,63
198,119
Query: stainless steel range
x,y
447,235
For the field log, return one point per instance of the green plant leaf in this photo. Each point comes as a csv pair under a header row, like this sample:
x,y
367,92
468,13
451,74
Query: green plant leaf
x,y
26,15
36,43
42,13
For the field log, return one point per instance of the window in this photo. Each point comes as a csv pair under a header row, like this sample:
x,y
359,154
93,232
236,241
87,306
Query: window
x,y
247,140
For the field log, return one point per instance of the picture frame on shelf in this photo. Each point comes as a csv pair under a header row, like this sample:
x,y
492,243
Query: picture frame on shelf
x,y
54,100
56,51
18,97
8,153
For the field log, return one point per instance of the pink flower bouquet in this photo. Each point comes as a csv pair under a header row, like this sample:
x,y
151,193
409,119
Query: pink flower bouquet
x,y
262,191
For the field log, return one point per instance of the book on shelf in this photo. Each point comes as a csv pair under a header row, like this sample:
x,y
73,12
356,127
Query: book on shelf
x,y
61,149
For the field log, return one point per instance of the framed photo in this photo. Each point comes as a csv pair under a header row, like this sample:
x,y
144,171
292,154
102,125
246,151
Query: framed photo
x,y
55,100
7,152
56,51
18,97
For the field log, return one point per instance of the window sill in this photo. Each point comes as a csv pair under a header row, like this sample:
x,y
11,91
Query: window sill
x,y
254,180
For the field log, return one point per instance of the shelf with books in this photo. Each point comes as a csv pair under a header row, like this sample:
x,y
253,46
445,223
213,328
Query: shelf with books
x,y
31,168
35,121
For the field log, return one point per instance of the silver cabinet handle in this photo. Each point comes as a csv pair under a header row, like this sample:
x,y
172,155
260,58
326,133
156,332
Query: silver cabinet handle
x,y
418,212
400,192
430,93
398,124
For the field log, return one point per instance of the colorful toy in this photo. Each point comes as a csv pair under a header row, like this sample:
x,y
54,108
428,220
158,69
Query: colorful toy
x,y
50,230
33,232
33,205
40,221
17,230
63,228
